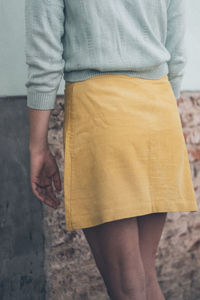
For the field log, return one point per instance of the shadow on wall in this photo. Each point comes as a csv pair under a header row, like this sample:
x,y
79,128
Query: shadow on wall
x,y
21,230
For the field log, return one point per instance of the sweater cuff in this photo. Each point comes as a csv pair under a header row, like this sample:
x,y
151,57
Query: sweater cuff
x,y
176,85
39,100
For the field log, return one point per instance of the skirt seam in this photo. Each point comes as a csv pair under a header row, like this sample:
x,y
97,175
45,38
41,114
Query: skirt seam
x,y
69,120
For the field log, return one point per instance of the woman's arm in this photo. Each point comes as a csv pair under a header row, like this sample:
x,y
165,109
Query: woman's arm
x,y
43,167
38,134
44,27
175,43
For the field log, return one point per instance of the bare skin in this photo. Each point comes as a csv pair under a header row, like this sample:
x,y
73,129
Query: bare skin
x,y
150,231
44,172
124,250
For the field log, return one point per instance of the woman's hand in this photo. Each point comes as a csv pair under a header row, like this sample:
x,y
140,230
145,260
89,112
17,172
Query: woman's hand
x,y
44,171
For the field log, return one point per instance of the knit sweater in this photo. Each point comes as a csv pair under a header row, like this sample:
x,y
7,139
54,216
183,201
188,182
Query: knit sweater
x,y
78,39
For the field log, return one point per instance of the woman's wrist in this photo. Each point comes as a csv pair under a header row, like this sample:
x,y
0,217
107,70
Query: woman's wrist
x,y
38,140
38,149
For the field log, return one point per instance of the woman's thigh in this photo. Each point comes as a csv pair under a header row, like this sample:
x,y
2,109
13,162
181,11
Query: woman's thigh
x,y
150,228
115,246
119,243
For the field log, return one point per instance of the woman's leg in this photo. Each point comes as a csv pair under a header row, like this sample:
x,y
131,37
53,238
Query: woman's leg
x,y
115,247
150,230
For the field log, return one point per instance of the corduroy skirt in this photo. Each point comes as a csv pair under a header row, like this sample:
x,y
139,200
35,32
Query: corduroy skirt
x,y
124,150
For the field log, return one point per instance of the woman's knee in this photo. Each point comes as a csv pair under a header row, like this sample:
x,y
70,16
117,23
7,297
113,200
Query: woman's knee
x,y
132,278
125,278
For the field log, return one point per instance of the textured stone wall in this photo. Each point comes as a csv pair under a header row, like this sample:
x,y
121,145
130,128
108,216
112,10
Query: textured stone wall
x,y
71,272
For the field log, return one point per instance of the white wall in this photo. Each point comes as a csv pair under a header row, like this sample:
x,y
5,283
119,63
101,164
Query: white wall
x,y
191,80
13,70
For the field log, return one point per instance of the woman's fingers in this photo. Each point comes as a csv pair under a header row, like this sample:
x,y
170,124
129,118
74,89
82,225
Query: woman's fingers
x,y
52,171
42,192
51,195
57,180
46,200
43,174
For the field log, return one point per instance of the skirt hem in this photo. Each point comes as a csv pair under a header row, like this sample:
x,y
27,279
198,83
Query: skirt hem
x,y
85,224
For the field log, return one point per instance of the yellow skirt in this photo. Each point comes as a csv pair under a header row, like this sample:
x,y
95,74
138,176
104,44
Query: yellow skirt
x,y
125,152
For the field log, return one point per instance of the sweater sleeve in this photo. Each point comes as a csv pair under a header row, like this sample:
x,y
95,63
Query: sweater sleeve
x,y
44,29
175,43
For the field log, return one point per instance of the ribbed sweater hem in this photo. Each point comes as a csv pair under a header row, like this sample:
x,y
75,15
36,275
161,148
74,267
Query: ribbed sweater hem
x,y
41,100
156,73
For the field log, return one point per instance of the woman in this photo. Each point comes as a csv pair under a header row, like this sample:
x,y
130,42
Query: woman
x,y
126,162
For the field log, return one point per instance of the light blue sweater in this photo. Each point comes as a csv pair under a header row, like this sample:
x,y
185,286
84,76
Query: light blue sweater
x,y
77,39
